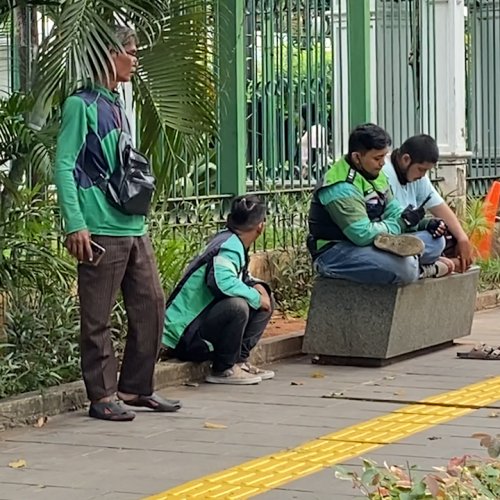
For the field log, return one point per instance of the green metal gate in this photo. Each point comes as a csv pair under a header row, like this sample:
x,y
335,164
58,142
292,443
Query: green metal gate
x,y
483,104
301,83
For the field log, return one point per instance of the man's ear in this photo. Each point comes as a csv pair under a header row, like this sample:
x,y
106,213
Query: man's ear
x,y
260,228
406,160
356,158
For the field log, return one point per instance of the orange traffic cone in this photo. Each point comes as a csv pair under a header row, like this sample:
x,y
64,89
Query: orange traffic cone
x,y
484,242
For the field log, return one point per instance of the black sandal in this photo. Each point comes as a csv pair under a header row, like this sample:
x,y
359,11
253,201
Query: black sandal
x,y
111,410
155,403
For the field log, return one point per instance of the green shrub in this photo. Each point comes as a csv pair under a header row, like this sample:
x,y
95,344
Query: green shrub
x,y
292,279
489,278
41,341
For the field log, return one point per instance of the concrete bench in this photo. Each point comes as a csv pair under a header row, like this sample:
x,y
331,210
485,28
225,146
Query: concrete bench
x,y
373,325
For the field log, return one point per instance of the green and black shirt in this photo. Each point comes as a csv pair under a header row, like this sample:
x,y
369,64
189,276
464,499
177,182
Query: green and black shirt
x,y
92,121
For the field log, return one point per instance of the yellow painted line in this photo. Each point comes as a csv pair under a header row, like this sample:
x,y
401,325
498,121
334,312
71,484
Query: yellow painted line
x,y
263,474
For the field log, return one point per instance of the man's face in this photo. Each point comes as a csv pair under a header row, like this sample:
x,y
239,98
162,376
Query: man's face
x,y
125,62
370,162
414,171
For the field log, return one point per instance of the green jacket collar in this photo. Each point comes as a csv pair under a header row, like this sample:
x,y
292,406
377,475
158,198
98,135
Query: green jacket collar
x,y
112,95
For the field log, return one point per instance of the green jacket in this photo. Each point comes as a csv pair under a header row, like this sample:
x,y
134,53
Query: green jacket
x,y
92,121
219,272
347,206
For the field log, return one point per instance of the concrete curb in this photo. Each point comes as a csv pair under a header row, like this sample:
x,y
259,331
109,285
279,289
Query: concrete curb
x,y
27,408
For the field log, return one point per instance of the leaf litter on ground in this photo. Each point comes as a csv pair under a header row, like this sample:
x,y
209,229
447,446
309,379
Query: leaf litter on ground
x,y
212,425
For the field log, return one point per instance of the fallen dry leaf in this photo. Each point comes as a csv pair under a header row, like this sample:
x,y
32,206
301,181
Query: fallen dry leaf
x,y
18,464
490,442
318,375
210,425
493,414
389,377
296,383
370,382
40,422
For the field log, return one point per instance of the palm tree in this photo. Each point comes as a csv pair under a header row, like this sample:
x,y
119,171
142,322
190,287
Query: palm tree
x,y
174,89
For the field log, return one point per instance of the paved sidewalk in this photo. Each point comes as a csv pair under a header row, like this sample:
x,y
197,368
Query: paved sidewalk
x,y
74,457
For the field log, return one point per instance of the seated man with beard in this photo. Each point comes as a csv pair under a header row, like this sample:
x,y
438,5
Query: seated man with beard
x,y
357,226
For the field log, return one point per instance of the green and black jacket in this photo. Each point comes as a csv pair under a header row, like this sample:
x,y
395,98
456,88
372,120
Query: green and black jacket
x,y
221,271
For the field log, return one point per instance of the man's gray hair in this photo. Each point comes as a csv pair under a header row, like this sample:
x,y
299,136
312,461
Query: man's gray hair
x,y
125,35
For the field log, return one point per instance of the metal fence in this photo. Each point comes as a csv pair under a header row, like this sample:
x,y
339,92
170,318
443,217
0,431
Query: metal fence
x,y
483,105
298,92
405,67
298,96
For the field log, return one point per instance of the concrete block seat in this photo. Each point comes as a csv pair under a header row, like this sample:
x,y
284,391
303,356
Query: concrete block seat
x,y
374,325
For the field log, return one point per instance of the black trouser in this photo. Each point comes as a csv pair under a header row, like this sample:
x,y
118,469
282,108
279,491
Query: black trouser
x,y
231,327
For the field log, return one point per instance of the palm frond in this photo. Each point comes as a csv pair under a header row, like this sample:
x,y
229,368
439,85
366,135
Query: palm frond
x,y
18,141
77,48
175,87
175,90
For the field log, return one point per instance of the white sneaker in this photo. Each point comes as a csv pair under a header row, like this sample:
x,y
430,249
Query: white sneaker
x,y
436,270
233,376
255,370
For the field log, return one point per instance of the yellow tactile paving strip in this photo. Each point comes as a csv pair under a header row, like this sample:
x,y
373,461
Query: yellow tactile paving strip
x,y
263,474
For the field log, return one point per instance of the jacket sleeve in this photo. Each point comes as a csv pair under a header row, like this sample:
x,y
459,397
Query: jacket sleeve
x,y
346,206
223,278
70,141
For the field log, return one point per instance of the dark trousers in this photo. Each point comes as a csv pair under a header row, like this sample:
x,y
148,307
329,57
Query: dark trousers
x,y
231,327
129,265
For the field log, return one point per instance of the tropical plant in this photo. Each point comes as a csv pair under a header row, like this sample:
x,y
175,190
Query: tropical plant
x,y
175,100
489,278
25,153
474,221
29,255
40,347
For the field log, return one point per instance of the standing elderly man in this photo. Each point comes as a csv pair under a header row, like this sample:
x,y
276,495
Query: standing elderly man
x,y
110,244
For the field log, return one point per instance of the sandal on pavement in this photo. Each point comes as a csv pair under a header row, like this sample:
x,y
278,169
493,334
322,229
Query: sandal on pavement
x,y
111,410
481,351
155,402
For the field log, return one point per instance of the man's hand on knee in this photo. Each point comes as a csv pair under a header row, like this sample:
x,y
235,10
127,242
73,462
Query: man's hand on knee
x,y
265,299
464,254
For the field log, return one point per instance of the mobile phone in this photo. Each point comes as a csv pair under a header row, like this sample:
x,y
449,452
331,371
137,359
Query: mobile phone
x,y
97,254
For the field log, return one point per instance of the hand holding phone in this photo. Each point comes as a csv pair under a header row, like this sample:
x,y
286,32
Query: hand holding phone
x,y
97,254
78,245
